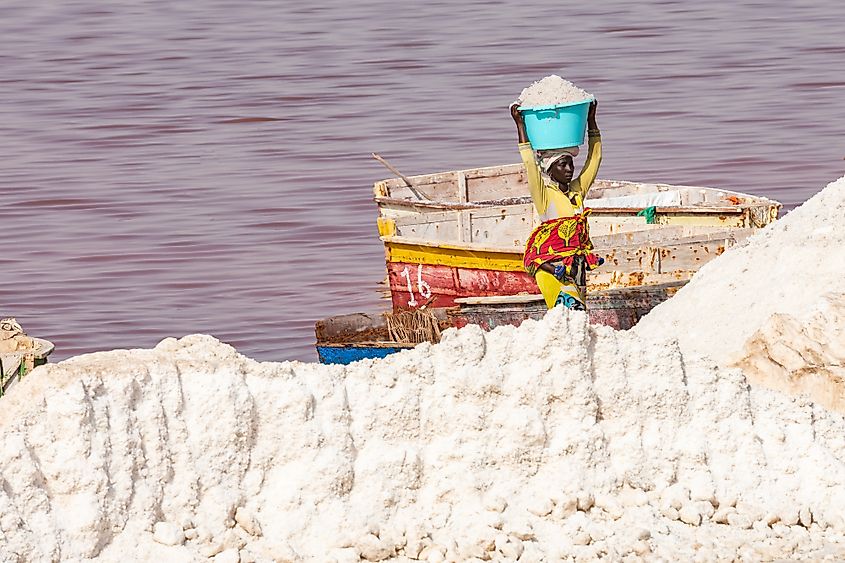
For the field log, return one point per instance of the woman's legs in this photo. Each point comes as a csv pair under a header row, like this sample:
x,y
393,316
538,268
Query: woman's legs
x,y
565,292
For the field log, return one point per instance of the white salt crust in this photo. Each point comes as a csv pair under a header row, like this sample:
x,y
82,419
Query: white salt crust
x,y
552,441
551,90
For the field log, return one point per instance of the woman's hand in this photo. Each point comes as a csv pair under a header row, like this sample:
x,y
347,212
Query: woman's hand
x,y
591,115
517,116
520,123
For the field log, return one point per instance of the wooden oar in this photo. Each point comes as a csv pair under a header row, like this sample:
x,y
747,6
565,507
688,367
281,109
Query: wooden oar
x,y
390,167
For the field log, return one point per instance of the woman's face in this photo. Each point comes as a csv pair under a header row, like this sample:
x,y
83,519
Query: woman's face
x,y
562,169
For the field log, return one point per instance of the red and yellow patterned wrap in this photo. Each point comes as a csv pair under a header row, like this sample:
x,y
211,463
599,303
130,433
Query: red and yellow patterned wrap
x,y
560,240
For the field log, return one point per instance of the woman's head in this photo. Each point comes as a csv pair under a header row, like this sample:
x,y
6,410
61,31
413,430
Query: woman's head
x,y
559,164
562,169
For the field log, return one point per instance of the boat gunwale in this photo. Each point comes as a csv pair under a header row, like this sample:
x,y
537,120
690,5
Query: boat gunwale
x,y
382,188
739,209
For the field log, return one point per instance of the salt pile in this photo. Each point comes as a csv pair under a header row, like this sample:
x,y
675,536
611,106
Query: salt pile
x,y
551,90
802,353
783,268
553,440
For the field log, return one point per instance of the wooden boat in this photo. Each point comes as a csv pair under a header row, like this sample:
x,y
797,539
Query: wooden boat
x,y
454,241
348,338
15,364
465,236
344,339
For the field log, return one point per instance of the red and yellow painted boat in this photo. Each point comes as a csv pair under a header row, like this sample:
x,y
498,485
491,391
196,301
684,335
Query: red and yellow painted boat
x,y
465,236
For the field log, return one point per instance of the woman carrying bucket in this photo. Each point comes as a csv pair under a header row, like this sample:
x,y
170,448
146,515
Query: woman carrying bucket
x,y
559,251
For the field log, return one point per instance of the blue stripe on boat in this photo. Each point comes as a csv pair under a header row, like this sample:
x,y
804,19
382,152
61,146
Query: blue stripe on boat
x,y
348,354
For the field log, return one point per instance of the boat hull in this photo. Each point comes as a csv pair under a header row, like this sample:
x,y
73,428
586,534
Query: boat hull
x,y
339,339
620,308
420,274
412,285
343,339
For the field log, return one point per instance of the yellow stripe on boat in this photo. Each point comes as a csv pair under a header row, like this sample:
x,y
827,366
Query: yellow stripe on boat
x,y
453,255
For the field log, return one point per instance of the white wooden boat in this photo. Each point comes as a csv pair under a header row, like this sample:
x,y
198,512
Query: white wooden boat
x,y
15,364
465,236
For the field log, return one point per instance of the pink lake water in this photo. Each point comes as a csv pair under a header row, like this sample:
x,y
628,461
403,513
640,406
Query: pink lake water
x,y
170,168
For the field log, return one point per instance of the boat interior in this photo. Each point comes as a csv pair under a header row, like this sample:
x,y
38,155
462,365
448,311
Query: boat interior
x,y
490,209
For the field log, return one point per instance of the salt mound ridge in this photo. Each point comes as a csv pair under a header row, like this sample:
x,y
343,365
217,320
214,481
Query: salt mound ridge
x,y
783,268
553,440
551,90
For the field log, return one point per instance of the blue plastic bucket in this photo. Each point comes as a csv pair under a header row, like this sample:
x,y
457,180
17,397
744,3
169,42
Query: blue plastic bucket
x,y
558,126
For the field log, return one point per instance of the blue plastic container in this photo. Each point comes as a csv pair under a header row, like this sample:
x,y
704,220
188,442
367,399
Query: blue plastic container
x,y
558,126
